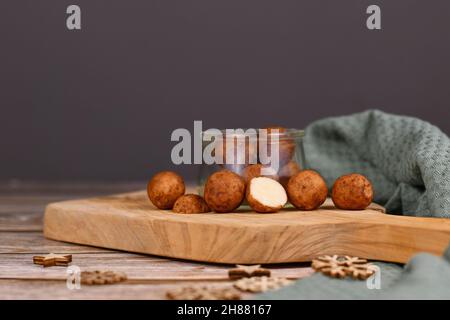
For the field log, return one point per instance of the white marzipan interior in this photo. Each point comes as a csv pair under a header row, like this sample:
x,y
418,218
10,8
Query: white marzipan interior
x,y
268,192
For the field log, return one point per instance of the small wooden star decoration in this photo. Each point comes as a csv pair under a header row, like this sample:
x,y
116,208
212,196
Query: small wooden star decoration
x,y
52,259
242,271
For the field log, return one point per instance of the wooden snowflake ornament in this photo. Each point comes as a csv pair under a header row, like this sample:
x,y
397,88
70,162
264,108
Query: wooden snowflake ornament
x,y
261,284
361,271
342,266
203,293
99,277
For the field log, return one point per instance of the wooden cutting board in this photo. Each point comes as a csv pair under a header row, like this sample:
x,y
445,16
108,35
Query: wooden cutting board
x,y
130,222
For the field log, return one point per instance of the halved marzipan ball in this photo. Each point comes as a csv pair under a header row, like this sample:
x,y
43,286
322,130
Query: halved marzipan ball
x,y
307,190
266,195
287,171
255,170
352,192
224,191
190,203
165,188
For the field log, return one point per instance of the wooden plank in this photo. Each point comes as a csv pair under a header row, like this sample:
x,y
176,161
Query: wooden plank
x,y
25,221
130,222
24,213
57,290
20,187
22,207
137,267
34,242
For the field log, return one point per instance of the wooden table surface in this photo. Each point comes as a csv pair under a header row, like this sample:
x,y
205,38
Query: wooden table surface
x,y
149,277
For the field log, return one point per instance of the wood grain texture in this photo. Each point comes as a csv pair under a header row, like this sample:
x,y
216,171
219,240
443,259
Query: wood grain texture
x,y
130,222
34,242
57,290
136,266
21,188
24,212
22,205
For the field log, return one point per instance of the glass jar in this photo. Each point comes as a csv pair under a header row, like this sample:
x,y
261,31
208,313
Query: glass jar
x,y
245,151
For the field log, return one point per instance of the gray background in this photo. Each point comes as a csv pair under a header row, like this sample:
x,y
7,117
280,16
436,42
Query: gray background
x,y
101,103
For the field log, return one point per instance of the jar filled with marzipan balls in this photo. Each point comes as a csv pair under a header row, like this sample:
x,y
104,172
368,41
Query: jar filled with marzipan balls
x,y
275,152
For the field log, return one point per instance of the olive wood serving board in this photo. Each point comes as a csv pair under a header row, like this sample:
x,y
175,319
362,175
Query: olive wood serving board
x,y
130,222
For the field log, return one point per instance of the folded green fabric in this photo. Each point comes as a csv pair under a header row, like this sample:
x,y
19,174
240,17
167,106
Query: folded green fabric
x,y
406,159
408,162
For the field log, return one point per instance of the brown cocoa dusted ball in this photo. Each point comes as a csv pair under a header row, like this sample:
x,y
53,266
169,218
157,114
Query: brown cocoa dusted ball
x,y
286,144
190,203
165,188
352,192
307,190
224,191
228,151
255,170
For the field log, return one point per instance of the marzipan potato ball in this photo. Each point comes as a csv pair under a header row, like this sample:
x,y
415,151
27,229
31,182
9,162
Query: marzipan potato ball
x,y
190,203
265,195
307,190
248,154
254,170
286,145
224,191
287,171
165,188
352,192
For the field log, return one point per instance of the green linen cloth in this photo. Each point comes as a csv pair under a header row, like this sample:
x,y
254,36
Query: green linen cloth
x,y
406,159
408,162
